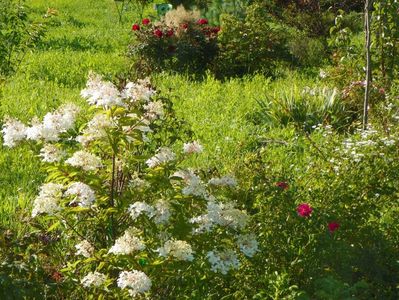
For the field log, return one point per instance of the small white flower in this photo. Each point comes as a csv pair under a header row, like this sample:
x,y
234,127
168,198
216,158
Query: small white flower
x,y
48,199
248,244
177,249
128,243
193,147
13,132
51,153
84,248
84,160
223,261
164,155
84,195
93,279
135,281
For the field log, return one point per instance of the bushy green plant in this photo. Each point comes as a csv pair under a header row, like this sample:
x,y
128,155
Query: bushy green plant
x,y
120,205
181,43
17,35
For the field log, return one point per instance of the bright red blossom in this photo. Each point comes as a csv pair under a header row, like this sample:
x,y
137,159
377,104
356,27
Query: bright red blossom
x,y
146,21
170,33
158,33
202,21
135,27
304,210
332,226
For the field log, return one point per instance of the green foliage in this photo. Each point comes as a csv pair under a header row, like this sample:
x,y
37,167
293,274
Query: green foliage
x,y
17,35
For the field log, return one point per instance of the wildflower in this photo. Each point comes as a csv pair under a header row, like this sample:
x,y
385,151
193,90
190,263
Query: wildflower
x,y
158,33
135,281
127,243
84,248
248,244
304,210
51,153
223,261
93,279
84,160
135,27
164,155
332,226
202,21
13,132
146,21
180,250
84,195
193,147
282,185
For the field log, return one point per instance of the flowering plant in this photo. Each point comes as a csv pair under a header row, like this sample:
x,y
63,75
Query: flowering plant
x,y
126,215
189,45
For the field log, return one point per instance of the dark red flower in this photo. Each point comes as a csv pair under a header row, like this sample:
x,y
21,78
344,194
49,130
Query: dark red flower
x,y
146,21
170,32
56,276
184,25
332,226
282,185
304,210
158,33
216,30
135,27
202,21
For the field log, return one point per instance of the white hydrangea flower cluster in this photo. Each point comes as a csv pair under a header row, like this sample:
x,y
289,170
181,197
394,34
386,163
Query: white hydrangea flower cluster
x,y
83,194
101,93
160,213
154,110
51,153
223,214
48,199
49,130
140,90
248,244
84,160
84,248
180,250
93,279
163,156
223,261
60,121
96,129
127,243
13,132
136,282
193,147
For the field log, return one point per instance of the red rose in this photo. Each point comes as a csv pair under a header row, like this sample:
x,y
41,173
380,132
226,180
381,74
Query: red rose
x,y
158,33
146,21
170,32
282,185
202,21
304,210
135,27
215,30
332,226
184,25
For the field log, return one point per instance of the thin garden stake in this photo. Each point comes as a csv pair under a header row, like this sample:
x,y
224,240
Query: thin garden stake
x,y
367,21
